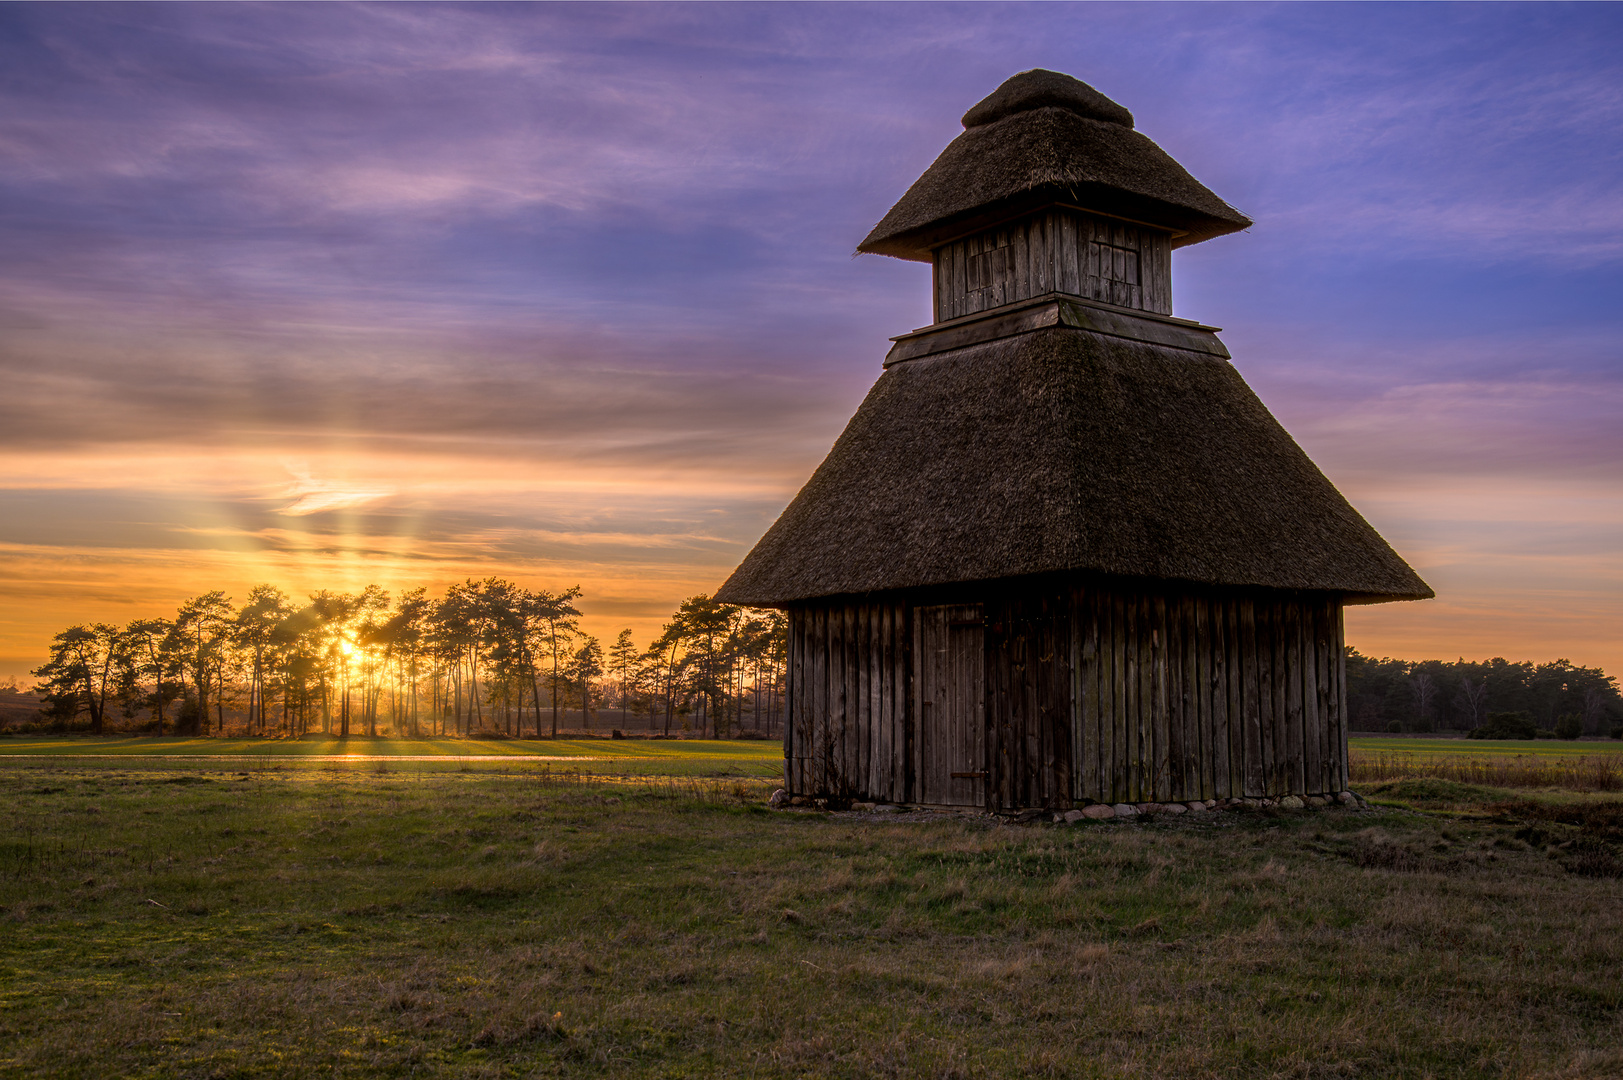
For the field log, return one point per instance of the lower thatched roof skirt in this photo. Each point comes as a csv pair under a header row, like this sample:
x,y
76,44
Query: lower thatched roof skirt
x,y
1059,584
1067,448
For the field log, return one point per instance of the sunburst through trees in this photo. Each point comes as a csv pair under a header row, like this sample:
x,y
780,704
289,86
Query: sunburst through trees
x,y
486,657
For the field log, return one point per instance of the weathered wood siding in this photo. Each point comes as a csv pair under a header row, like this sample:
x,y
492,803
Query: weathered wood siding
x,y
1028,699
1108,694
949,706
1206,695
1064,251
847,733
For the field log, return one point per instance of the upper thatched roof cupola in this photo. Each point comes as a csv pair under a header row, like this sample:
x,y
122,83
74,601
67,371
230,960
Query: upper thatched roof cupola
x,y
1049,189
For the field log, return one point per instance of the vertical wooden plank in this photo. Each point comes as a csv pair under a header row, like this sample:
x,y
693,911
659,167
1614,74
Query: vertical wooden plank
x,y
1161,777
1197,698
1020,253
1179,747
1197,763
878,788
924,705
1069,266
867,659
895,726
1335,716
1340,705
1148,657
1180,750
1131,698
879,763
1062,700
1295,698
1327,692
1095,746
1234,689
1036,241
905,697
1330,764
856,724
1214,658
1000,771
829,717
844,702
1121,718
891,665
817,726
1268,678
1031,683
793,682
1256,783
1159,257
1312,715
1327,689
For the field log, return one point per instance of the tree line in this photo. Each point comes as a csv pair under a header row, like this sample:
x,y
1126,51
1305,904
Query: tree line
x,y
1431,695
486,656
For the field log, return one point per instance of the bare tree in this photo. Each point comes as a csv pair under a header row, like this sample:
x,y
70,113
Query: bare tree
x,y
1474,698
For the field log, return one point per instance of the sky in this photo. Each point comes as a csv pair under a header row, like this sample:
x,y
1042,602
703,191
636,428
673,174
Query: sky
x,y
325,295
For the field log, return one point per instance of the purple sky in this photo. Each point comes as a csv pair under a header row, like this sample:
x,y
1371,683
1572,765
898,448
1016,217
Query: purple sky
x,y
327,294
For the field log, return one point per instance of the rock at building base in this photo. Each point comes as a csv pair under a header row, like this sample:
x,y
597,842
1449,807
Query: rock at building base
x,y
1122,809
1071,817
887,808
1097,811
1291,802
780,799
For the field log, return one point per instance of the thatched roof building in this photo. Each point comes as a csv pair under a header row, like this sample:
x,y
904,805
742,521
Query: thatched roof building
x,y
1057,450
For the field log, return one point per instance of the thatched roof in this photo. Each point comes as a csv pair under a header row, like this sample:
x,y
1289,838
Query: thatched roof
x,y
1043,138
1065,449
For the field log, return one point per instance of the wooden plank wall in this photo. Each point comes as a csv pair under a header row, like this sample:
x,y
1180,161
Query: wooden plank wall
x,y
1111,695
1028,700
1059,250
847,733
948,717
1195,695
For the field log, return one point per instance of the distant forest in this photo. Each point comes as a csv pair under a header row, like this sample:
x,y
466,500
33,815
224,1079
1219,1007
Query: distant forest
x,y
1438,695
486,657
490,656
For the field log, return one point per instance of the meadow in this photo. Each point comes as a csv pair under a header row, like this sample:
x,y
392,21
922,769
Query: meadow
x,y
753,758
376,919
1513,763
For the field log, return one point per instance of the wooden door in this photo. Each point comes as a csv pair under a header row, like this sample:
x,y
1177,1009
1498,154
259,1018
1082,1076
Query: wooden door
x,y
948,684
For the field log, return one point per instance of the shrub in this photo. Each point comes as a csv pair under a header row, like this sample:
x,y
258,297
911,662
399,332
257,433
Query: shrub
x,y
1569,726
1395,727
1507,725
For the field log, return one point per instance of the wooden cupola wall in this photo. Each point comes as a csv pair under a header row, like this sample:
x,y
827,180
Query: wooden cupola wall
x,y
1060,249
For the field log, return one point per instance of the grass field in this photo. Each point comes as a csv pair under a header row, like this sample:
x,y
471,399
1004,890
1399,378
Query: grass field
x,y
204,923
1545,748
610,757
1513,763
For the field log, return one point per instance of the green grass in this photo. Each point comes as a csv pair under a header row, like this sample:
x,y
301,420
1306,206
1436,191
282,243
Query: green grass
x,y
675,757
1570,766
162,923
1558,748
